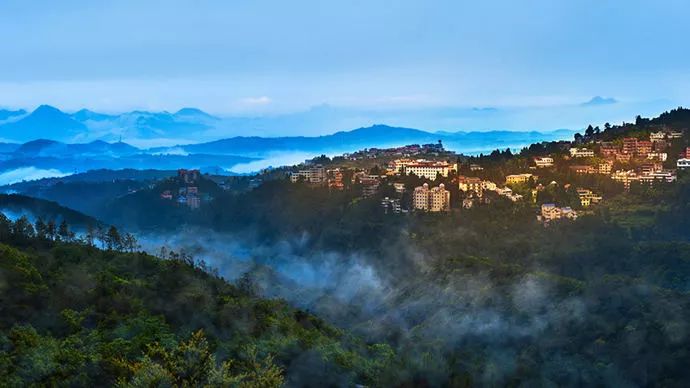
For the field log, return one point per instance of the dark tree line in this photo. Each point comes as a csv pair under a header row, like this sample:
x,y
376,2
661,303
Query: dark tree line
x,y
23,232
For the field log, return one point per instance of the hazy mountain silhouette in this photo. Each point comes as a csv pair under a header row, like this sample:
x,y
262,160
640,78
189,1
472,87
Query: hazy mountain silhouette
x,y
46,122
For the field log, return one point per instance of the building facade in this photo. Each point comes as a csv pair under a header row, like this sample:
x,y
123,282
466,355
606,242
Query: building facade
x,y
429,169
436,199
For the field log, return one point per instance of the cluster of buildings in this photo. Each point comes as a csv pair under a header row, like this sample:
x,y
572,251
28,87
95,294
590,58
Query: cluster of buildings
x,y
550,212
436,199
627,177
475,187
648,156
404,151
684,161
335,179
188,192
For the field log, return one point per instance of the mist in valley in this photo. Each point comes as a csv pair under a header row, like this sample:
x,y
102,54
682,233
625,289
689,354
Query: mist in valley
x,y
396,297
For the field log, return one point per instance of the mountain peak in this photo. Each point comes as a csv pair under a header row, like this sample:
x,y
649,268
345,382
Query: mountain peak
x,y
46,109
187,111
599,100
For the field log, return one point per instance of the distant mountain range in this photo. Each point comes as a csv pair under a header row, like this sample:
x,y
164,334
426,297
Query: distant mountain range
x,y
191,125
374,136
223,155
47,122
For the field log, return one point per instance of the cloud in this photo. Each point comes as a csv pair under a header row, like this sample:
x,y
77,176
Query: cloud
x,y
28,174
263,100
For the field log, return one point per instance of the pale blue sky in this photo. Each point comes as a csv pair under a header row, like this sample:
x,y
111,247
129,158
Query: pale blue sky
x,y
267,57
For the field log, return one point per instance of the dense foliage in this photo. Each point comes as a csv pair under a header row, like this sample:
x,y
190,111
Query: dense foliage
x,y
75,315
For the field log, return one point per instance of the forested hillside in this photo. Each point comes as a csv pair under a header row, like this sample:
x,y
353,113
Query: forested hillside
x,y
75,315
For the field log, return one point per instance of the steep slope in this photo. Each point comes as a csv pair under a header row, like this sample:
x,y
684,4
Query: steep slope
x,y
75,315
16,205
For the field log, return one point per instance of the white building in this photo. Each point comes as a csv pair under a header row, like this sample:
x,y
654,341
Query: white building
x,y
581,153
542,162
658,176
683,163
429,169
660,156
657,136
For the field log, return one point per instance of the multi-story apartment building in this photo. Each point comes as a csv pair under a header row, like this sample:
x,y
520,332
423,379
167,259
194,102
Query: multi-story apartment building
x,y
587,197
370,185
335,179
315,175
543,161
644,147
626,177
436,199
391,205
420,197
657,136
629,145
660,156
550,212
519,178
429,169
439,199
581,153
658,176
605,167
470,184
651,167
608,149
623,158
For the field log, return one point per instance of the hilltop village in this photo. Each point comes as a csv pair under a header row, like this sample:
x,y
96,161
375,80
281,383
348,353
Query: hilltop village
x,y
558,180
561,179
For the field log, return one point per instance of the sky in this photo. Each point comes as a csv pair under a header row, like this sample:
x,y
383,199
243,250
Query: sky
x,y
259,57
